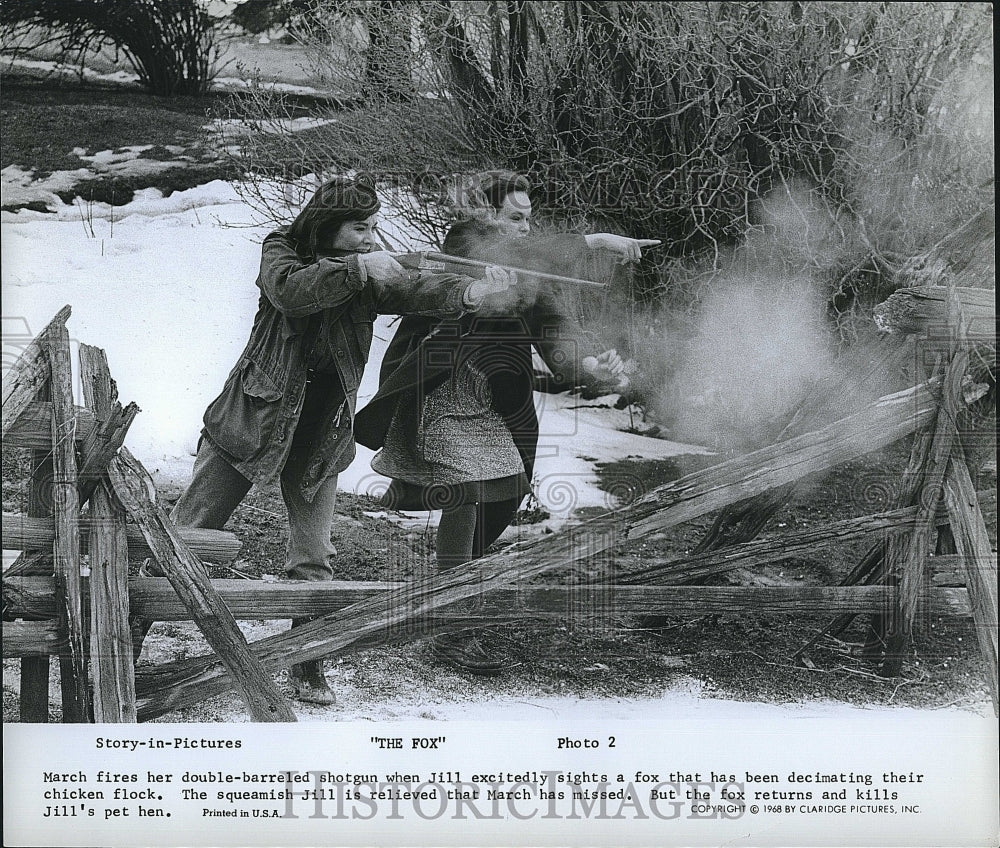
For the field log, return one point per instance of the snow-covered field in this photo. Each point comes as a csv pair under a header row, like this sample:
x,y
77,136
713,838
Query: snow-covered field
x,y
166,287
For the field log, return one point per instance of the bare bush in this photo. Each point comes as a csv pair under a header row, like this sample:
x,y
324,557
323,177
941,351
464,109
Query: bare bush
x,y
416,151
666,120
171,44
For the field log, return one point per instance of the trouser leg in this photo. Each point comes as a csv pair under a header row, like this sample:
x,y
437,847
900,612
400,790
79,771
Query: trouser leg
x,y
464,650
216,489
467,531
455,534
310,553
309,556
491,520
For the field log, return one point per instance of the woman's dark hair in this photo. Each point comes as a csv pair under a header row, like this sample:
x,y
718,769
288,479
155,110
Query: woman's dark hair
x,y
499,184
337,201
473,238
485,241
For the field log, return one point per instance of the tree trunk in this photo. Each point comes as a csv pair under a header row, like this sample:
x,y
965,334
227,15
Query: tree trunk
x,y
446,36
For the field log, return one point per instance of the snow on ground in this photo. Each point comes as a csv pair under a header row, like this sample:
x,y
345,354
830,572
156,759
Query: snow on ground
x,y
166,287
274,126
127,162
684,700
18,186
146,203
62,70
103,159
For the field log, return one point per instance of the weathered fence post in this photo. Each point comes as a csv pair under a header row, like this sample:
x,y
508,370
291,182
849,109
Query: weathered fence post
x,y
66,507
111,644
100,394
973,544
28,380
110,639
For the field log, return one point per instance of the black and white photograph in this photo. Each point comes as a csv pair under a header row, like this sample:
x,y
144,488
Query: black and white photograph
x,y
498,423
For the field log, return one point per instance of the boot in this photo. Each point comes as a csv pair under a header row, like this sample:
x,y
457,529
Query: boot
x,y
466,652
140,627
308,679
309,683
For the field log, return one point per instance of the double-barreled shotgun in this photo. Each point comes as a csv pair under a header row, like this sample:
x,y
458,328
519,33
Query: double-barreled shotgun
x,y
429,260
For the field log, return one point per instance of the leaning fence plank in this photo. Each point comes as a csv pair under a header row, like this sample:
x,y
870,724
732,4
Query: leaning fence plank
x,y
774,549
973,543
103,443
913,578
768,550
111,654
66,547
22,381
877,425
673,503
187,575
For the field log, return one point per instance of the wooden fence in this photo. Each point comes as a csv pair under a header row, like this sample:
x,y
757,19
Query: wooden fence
x,y
69,594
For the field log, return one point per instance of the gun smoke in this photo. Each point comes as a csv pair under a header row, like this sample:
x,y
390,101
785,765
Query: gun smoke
x,y
759,345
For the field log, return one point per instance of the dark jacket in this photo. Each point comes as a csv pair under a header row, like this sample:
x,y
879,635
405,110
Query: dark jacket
x,y
304,305
424,352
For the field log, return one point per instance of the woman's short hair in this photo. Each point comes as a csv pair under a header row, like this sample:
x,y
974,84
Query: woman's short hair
x,y
337,201
500,185
490,189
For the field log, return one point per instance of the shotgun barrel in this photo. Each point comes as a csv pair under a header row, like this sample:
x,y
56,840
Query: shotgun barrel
x,y
429,260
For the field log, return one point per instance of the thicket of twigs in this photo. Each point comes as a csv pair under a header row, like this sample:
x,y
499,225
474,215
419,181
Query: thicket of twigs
x,y
665,120
171,44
